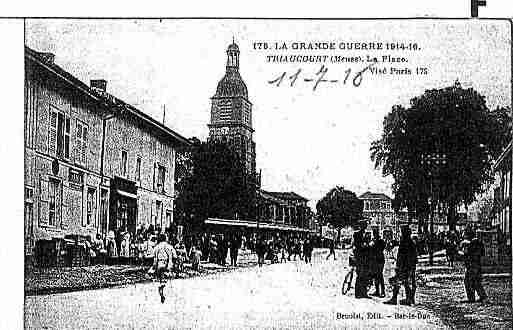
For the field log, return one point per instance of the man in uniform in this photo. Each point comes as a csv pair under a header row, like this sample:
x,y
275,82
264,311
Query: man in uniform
x,y
472,249
405,269
360,250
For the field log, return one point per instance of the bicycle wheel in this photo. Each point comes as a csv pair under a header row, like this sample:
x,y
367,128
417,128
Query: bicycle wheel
x,y
346,285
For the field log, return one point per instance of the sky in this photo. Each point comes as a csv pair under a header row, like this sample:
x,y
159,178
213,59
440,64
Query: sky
x,y
307,141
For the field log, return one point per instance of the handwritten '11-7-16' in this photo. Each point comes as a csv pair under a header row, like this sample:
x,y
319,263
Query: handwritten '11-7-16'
x,y
321,77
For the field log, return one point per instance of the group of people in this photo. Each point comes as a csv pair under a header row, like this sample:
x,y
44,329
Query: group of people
x,y
215,247
280,249
368,259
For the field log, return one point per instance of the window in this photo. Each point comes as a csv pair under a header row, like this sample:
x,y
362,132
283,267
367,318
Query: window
x,y
59,134
124,161
52,201
81,143
91,206
161,179
138,170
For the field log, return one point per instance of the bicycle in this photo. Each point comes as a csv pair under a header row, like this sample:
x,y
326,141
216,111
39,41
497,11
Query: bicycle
x,y
348,280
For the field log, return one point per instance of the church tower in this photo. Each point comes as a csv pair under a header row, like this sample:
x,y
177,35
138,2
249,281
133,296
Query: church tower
x,y
230,117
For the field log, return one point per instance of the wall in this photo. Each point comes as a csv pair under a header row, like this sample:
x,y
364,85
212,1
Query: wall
x,y
125,132
43,92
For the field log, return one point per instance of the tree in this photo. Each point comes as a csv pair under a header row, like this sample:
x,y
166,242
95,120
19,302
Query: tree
x,y
440,149
211,182
340,208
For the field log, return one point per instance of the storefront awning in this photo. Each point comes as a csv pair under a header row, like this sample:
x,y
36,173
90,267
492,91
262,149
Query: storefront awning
x,y
126,194
253,224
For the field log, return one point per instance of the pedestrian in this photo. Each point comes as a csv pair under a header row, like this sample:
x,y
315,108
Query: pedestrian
x,y
378,247
223,249
307,250
472,250
148,249
235,244
181,254
111,247
163,263
195,257
124,251
405,269
283,249
260,248
331,245
213,250
99,247
451,247
361,251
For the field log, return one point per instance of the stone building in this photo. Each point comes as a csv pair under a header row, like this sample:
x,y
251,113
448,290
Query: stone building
x,y
92,162
377,208
285,208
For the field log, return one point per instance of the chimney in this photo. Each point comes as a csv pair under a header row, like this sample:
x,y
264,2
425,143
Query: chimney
x,y
99,84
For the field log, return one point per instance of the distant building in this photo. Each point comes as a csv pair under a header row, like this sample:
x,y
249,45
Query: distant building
x,y
93,163
287,208
503,201
377,208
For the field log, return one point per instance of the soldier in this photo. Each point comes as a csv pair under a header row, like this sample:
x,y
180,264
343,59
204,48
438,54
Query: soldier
x,y
472,249
378,246
360,248
405,269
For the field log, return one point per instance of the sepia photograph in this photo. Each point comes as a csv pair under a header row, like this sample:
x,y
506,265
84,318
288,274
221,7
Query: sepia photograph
x,y
232,173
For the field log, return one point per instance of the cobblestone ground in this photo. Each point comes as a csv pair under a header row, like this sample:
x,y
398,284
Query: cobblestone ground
x,y
291,295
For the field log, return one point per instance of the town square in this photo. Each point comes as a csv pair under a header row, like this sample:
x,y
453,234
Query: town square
x,y
182,174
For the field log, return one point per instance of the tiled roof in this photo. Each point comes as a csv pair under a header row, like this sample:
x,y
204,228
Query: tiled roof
x,y
46,61
371,195
286,195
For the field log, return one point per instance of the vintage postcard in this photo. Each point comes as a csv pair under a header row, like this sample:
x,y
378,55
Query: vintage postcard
x,y
267,173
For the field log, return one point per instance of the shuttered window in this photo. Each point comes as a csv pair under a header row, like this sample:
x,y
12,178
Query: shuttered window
x,y
43,201
52,133
81,143
59,134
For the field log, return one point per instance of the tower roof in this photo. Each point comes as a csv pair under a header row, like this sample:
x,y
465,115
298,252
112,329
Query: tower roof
x,y
232,85
233,46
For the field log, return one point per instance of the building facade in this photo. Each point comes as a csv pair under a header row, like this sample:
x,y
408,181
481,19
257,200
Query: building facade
x,y
503,201
377,208
284,208
92,162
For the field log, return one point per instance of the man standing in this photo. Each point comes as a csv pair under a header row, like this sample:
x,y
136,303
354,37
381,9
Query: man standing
x,y
360,249
378,246
405,269
234,249
260,248
472,250
307,250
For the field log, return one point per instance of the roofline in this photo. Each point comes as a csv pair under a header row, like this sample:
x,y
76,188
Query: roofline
x,y
77,83
502,155
287,192
368,192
